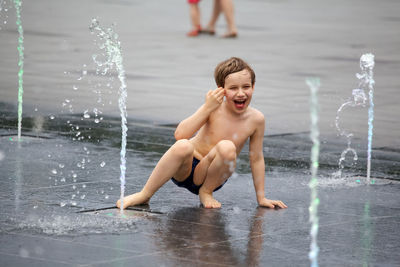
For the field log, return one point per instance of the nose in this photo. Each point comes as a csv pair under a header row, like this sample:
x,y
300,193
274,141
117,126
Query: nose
x,y
241,91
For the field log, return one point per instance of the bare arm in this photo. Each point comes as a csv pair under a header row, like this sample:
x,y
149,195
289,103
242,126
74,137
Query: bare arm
x,y
189,126
258,166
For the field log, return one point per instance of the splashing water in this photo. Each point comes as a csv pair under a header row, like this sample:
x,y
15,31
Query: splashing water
x,y
358,100
20,48
4,7
367,63
113,56
314,84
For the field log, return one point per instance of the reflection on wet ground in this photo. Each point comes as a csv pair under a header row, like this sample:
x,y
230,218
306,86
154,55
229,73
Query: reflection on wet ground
x,y
49,178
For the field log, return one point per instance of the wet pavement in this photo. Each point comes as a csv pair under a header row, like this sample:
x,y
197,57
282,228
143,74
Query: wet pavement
x,y
59,184
58,198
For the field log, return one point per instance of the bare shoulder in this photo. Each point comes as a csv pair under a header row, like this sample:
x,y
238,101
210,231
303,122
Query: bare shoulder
x,y
257,116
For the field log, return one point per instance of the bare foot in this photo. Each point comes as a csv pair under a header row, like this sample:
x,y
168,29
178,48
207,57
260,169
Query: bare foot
x,y
134,199
230,35
208,201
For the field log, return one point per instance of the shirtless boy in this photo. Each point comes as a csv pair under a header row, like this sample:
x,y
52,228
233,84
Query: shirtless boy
x,y
209,141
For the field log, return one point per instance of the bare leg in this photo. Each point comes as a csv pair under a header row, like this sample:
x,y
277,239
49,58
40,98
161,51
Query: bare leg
x,y
214,17
214,170
227,8
195,18
176,162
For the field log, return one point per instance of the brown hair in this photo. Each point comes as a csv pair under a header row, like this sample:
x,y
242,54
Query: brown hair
x,y
229,66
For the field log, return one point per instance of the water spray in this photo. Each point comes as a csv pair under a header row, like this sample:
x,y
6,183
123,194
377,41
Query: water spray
x,y
314,84
20,48
113,57
367,64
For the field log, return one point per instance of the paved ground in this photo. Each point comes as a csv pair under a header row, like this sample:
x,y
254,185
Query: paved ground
x,y
42,196
47,180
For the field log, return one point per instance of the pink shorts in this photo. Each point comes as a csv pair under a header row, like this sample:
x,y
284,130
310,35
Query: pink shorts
x,y
193,1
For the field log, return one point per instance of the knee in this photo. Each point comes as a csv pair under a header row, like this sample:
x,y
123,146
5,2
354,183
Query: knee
x,y
183,148
227,150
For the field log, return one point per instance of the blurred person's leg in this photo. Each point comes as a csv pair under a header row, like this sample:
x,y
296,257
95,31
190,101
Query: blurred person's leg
x,y
214,17
195,18
227,8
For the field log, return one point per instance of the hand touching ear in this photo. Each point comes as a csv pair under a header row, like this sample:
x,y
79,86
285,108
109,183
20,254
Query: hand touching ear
x,y
214,98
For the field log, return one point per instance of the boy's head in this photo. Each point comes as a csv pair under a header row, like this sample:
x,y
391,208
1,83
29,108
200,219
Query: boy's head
x,y
229,66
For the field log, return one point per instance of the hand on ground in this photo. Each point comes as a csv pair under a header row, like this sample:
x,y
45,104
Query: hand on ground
x,y
269,203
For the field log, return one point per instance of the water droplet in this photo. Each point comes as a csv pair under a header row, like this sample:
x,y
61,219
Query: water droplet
x,y
74,187
74,175
61,165
52,117
73,203
62,204
54,171
106,197
62,180
102,164
73,196
86,116
83,186
96,120
35,207
83,196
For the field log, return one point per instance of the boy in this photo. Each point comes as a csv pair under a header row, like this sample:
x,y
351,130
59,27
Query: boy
x,y
203,162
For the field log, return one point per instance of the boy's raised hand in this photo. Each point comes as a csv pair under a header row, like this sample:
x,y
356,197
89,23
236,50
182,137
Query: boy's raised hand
x,y
269,203
214,98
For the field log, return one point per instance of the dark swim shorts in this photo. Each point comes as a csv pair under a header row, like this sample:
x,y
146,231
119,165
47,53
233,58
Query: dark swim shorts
x,y
188,183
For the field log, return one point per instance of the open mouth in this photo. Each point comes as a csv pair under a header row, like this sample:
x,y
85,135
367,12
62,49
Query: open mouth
x,y
239,104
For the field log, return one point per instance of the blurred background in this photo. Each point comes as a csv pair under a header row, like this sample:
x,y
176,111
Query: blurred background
x,y
169,73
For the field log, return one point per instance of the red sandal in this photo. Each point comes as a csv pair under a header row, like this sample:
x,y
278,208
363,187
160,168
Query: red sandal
x,y
194,32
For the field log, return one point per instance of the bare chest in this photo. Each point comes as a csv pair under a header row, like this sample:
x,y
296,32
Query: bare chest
x,y
238,131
